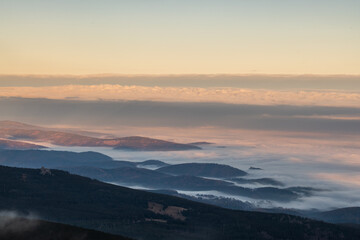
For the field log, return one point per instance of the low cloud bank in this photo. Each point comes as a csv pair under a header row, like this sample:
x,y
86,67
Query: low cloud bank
x,y
189,94
252,81
172,114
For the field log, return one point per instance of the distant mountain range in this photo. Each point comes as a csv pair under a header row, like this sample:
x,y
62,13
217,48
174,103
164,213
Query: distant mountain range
x,y
18,131
70,199
10,144
212,170
188,177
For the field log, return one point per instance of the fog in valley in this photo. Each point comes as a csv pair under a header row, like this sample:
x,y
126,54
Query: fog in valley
x,y
328,166
312,143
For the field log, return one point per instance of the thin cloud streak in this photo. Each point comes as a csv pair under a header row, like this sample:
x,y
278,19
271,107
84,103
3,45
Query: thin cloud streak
x,y
188,94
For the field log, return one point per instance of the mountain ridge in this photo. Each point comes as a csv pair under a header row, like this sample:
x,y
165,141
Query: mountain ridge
x,y
18,145
19,131
65,198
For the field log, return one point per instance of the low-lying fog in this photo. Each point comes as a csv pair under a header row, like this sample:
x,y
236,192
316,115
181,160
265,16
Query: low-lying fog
x,y
330,166
301,144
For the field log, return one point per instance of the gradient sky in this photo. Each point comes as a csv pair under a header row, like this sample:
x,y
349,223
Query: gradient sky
x,y
179,37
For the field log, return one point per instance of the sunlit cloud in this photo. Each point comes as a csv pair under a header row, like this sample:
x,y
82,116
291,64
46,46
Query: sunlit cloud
x,y
342,178
188,94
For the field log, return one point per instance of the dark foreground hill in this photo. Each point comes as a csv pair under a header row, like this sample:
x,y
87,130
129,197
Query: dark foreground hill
x,y
342,215
61,197
18,228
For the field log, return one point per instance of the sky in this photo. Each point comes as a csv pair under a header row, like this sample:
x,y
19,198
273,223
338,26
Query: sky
x,y
179,37
277,82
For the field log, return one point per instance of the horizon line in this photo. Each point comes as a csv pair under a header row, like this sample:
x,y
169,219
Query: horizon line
x,y
179,74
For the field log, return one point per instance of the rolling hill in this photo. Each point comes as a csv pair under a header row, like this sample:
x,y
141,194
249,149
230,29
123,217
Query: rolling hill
x,y
130,176
103,168
212,170
18,131
62,197
343,215
17,145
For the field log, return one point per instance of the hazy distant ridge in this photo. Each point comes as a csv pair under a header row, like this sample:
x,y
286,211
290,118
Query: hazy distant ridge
x,y
19,131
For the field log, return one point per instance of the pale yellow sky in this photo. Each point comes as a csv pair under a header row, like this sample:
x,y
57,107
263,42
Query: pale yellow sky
x,y
180,37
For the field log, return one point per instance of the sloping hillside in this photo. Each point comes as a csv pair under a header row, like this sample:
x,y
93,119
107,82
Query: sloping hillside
x,y
18,228
18,145
61,197
19,131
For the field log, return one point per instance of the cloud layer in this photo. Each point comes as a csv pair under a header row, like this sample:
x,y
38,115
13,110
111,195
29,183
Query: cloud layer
x,y
181,114
188,94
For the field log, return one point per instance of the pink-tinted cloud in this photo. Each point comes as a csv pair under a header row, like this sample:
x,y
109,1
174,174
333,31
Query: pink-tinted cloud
x,y
345,178
188,94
